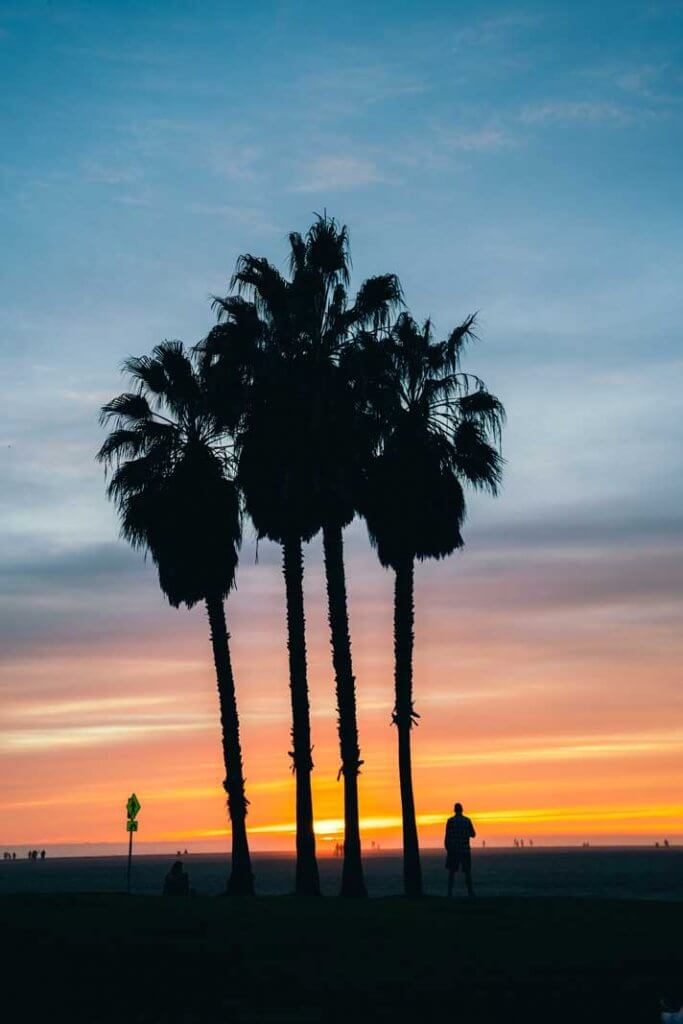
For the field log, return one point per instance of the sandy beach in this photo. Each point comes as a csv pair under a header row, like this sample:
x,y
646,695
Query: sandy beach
x,y
613,873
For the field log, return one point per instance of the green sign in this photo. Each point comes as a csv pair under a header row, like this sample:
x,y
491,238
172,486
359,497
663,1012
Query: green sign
x,y
131,826
132,807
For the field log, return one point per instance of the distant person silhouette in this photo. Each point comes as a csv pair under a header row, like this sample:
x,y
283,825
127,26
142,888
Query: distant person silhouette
x,y
42,854
177,881
459,831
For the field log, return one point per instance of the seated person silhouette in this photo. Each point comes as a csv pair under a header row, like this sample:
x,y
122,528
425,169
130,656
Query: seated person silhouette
x,y
177,881
459,831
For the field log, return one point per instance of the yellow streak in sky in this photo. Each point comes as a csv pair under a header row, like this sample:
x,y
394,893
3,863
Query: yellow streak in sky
x,y
626,817
578,747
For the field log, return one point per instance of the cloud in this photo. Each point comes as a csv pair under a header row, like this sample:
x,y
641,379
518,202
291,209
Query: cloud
x,y
478,140
143,58
110,174
637,79
132,201
592,528
340,172
24,741
85,721
74,569
657,83
354,84
47,603
658,744
248,216
494,32
587,111
236,162
90,706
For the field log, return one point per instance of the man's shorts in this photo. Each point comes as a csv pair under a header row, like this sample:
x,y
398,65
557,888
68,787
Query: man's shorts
x,y
459,860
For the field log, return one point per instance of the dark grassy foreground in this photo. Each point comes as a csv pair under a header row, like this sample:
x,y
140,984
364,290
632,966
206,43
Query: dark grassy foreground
x,y
107,958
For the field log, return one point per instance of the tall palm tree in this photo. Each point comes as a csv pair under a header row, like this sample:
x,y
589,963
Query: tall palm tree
x,y
256,343
308,322
169,463
438,429
338,448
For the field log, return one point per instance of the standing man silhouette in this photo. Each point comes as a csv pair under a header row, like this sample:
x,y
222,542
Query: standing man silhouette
x,y
459,831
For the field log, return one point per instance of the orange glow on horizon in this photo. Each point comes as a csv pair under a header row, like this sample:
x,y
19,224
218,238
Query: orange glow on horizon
x,y
540,724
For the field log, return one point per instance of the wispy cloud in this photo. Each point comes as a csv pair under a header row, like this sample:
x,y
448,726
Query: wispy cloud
x,y
87,722
587,111
637,79
476,140
89,706
31,740
657,82
144,58
340,172
126,200
238,162
111,173
356,83
658,744
248,216
495,31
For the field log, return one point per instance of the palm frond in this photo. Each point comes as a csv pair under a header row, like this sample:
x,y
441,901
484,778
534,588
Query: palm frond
x,y
377,298
327,249
458,339
182,386
486,409
127,407
256,277
147,372
297,254
474,458
121,444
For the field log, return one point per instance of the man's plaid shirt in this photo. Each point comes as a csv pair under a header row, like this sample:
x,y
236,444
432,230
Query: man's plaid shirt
x,y
459,831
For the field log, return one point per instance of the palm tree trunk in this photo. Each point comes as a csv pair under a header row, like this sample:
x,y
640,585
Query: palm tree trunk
x,y
307,880
353,881
404,718
241,880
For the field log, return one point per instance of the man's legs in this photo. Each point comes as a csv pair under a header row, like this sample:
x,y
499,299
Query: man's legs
x,y
467,871
451,876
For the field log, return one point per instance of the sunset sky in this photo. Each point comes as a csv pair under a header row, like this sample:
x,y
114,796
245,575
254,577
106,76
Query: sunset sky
x,y
523,161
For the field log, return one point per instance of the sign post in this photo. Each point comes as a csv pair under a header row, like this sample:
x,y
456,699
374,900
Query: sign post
x,y
132,808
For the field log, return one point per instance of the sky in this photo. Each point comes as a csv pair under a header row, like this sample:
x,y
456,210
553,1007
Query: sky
x,y
519,160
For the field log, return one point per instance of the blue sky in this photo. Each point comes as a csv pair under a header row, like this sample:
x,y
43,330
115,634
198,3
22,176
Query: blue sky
x,y
522,160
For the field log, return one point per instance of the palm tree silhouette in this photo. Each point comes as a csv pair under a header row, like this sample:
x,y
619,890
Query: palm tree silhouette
x,y
169,459
435,427
256,344
338,448
304,445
